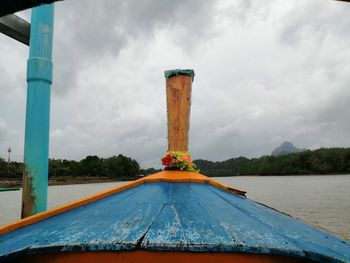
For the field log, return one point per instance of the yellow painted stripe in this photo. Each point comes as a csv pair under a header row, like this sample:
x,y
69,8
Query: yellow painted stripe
x,y
164,176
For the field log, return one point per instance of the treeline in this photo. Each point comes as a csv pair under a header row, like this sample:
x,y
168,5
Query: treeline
x,y
121,167
12,169
113,167
321,161
225,168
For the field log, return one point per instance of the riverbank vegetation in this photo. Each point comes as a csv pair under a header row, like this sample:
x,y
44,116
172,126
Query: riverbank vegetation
x,y
116,167
120,167
321,161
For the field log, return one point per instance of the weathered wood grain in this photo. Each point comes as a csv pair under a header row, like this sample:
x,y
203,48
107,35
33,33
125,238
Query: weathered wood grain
x,y
178,91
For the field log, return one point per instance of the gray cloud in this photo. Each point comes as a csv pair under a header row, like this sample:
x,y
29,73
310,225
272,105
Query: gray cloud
x,y
265,73
87,34
315,21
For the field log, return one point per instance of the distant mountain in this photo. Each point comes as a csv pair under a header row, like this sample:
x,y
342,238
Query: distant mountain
x,y
286,148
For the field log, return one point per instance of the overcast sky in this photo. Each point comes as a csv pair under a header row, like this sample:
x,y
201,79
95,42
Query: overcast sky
x,y
266,72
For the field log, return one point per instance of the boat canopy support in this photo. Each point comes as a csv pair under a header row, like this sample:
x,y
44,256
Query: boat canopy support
x,y
39,80
12,6
16,28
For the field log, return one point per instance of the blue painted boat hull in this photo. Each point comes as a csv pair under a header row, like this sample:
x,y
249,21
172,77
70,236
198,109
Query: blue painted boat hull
x,y
188,217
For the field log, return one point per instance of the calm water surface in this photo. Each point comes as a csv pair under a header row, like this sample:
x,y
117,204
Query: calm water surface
x,y
323,201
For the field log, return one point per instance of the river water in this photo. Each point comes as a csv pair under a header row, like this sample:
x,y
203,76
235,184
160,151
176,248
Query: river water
x,y
323,201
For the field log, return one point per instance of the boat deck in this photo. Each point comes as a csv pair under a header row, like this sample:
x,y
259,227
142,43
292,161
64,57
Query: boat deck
x,y
182,216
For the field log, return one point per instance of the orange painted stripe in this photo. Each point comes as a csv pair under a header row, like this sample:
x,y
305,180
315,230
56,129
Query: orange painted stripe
x,y
66,207
164,176
156,256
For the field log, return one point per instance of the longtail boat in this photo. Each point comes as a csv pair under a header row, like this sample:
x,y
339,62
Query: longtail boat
x,y
177,215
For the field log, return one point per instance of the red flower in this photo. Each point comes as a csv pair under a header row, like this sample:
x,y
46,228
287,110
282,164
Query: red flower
x,y
166,161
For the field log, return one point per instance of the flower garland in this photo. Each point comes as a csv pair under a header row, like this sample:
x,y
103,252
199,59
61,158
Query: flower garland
x,y
179,160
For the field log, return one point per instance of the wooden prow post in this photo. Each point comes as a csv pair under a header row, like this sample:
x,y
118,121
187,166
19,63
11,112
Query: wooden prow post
x,y
178,93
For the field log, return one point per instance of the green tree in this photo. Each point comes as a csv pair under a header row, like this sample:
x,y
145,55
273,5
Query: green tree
x,y
92,165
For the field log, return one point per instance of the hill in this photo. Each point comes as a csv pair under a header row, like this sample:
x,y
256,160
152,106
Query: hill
x,y
286,148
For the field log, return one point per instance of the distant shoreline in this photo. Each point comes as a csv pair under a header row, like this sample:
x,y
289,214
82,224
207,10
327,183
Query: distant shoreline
x,y
68,181
93,180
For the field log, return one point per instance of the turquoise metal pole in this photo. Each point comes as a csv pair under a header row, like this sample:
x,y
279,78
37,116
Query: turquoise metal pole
x,y
39,80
